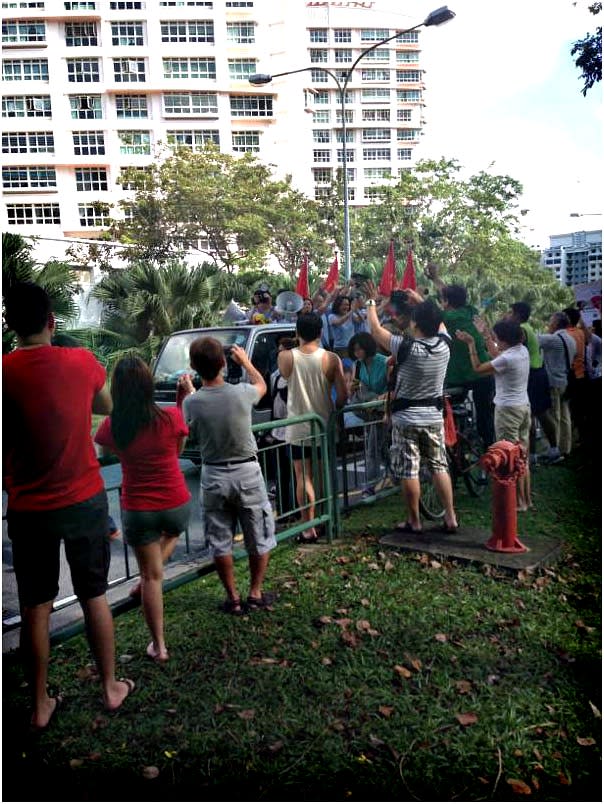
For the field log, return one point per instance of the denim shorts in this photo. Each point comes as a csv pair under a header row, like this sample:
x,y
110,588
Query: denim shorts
x,y
144,527
36,539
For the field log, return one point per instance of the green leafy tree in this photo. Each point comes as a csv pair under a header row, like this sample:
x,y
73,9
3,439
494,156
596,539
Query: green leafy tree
x,y
57,278
589,50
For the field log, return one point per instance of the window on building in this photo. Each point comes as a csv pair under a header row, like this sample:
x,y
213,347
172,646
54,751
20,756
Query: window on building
x,y
190,68
407,56
372,134
89,143
376,115
380,54
318,35
321,97
127,5
80,5
190,103
376,154
408,76
134,178
129,71
377,173
83,71
241,69
340,136
86,107
407,134
375,95
342,35
322,192
25,4
349,116
321,135
246,141
26,106
343,55
241,33
318,56
408,95
91,179
321,155
188,3
135,142
409,38
322,116
403,154
195,139
351,193
251,105
28,142
322,175
375,75
131,106
349,96
127,34
81,34
349,155
187,31
32,177
30,214
22,32
403,115
93,214
319,77
341,75
239,4
374,34
25,70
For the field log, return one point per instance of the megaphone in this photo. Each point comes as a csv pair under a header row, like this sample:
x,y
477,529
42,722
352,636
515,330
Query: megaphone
x,y
289,304
234,313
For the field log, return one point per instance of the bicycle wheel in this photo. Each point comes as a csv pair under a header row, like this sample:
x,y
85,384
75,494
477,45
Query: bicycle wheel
x,y
469,451
429,503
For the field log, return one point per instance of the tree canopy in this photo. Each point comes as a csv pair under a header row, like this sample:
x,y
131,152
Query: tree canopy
x,y
589,50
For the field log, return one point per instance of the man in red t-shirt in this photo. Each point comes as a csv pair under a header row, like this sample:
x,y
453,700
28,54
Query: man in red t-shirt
x,y
55,490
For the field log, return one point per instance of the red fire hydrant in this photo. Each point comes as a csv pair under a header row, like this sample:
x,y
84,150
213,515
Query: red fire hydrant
x,y
505,462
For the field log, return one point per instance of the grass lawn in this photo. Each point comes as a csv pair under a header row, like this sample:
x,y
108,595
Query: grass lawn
x,y
377,676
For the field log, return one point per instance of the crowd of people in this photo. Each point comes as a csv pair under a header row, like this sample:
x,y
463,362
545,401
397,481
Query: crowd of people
x,y
351,344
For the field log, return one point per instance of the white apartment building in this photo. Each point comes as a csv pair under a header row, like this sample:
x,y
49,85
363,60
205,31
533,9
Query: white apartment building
x,y
575,258
92,86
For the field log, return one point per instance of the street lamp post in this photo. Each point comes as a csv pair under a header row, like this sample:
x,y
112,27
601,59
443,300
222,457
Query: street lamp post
x,y
437,17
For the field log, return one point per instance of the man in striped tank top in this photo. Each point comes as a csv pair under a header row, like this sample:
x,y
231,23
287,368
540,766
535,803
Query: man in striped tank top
x,y
311,373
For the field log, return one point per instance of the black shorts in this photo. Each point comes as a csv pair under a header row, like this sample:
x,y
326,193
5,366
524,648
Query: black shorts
x,y
538,391
36,539
301,452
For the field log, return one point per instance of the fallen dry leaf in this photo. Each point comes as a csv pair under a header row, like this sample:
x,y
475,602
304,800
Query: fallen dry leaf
x,y
344,622
493,679
364,602
218,708
563,779
150,772
363,625
416,664
342,611
435,564
582,627
467,718
441,637
535,782
386,711
537,753
76,763
372,632
518,752
519,787
87,673
99,723
324,620
349,639
274,747
586,741
375,742
125,658
94,756
482,780
595,710
388,566
342,560
463,687
247,714
326,661
263,660
373,566
402,671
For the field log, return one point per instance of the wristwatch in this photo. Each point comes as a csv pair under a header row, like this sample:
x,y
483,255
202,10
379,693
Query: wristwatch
x,y
371,302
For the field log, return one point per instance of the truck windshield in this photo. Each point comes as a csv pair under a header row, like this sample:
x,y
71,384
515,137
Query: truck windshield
x,y
174,357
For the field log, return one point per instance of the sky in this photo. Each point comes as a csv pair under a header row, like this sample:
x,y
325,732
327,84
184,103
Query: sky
x,y
503,95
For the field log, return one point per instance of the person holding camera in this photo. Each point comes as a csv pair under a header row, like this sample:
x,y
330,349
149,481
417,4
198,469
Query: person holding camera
x,y
232,486
263,311
344,318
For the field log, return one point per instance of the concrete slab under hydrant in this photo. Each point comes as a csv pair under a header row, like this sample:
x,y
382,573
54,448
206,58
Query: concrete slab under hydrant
x,y
468,545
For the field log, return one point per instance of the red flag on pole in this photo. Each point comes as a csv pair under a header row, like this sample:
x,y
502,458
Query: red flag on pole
x,y
332,277
388,280
409,275
302,284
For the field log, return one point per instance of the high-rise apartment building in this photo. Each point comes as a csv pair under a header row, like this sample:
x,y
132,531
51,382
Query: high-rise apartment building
x,y
575,258
92,86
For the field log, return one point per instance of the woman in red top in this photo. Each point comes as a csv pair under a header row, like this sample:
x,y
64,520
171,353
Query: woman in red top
x,y
155,500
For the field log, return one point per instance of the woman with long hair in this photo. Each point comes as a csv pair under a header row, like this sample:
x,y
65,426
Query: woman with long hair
x,y
155,500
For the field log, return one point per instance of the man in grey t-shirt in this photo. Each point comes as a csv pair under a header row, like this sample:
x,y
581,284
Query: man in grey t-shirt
x,y
232,486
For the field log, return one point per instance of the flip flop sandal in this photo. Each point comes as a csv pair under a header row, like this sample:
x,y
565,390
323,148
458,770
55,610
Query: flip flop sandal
x,y
406,528
450,529
131,687
265,601
60,700
233,607
305,538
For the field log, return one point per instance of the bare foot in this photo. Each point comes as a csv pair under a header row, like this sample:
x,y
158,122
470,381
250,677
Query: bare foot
x,y
42,716
161,657
117,692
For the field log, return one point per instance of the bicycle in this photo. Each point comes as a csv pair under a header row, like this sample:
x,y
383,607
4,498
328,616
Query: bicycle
x,y
462,457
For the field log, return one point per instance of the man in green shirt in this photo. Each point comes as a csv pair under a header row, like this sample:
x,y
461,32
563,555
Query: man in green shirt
x,y
458,314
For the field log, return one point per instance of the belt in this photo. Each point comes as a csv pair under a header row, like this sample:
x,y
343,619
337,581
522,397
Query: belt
x,y
401,403
230,463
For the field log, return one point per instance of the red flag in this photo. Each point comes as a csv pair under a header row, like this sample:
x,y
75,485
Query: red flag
x,y
409,275
302,283
332,277
388,280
